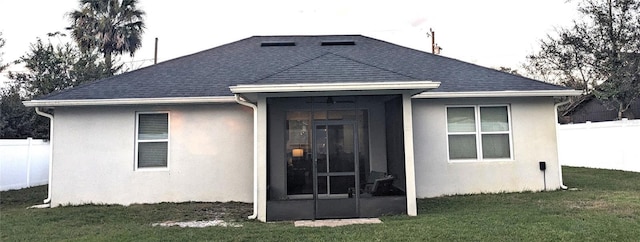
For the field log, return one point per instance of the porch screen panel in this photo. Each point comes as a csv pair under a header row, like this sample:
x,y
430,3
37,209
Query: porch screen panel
x,y
298,153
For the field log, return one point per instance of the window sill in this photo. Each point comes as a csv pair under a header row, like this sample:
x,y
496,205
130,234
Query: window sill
x,y
154,169
481,161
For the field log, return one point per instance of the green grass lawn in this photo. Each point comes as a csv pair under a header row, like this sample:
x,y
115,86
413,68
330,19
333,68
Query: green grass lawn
x,y
605,207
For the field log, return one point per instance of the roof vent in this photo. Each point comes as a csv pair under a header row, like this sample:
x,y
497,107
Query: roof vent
x,y
337,42
277,43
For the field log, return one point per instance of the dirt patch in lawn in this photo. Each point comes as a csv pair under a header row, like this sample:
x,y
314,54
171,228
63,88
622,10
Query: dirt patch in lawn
x,y
197,224
199,211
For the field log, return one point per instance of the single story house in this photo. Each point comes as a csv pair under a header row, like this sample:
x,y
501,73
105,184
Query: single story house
x,y
588,108
303,127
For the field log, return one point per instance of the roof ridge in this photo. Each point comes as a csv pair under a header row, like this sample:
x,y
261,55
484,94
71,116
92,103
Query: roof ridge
x,y
577,103
335,54
374,66
290,67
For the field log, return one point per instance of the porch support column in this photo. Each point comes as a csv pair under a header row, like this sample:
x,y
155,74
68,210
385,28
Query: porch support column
x,y
407,124
262,159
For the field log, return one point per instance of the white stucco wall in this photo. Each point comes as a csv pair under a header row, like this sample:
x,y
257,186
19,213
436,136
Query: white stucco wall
x,y
534,140
210,156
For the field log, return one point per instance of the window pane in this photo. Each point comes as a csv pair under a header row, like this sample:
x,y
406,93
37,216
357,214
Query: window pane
x,y
495,146
494,119
462,147
152,154
153,126
461,119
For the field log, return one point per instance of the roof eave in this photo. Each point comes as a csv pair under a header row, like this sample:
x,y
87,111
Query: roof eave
x,y
334,87
533,93
129,101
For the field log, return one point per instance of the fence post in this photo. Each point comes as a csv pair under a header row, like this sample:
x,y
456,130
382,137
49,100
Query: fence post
x,y
29,143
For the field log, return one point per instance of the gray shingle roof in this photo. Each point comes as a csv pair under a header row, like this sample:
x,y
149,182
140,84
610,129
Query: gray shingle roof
x,y
211,72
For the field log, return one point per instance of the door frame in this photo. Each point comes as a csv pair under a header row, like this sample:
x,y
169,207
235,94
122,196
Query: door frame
x,y
356,171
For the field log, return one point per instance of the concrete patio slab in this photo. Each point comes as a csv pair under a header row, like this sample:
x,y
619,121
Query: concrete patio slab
x,y
336,222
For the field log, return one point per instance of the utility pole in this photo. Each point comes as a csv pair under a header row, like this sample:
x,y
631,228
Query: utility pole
x,y
435,49
433,41
155,54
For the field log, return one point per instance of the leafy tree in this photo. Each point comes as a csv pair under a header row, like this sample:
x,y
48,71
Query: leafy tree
x,y
597,54
50,69
622,88
110,26
18,121
508,70
54,68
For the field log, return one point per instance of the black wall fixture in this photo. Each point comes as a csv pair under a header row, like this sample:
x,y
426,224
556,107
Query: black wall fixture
x,y
543,168
543,165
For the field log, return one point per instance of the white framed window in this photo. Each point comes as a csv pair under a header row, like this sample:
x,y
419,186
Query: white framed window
x,y
152,140
479,132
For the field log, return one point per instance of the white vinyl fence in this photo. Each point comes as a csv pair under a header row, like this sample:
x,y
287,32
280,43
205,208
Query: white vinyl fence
x,y
606,145
23,163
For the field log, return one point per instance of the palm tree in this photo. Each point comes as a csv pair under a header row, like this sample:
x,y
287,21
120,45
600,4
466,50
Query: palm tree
x,y
110,26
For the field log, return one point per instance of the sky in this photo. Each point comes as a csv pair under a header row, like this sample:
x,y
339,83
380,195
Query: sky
x,y
489,33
